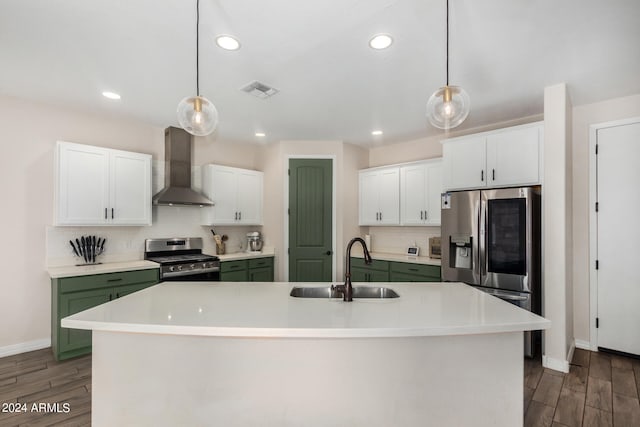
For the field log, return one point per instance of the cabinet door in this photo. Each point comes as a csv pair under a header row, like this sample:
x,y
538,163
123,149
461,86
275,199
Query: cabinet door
x,y
82,188
513,157
389,198
464,162
434,191
130,189
121,291
413,182
378,276
75,302
249,197
262,274
219,184
368,193
359,274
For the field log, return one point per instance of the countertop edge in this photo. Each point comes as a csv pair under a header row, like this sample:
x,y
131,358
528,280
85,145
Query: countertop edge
x,y
246,332
88,270
246,255
382,256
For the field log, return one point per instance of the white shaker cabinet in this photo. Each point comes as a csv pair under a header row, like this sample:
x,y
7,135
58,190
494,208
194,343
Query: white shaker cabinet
x,y
236,194
420,190
101,186
379,196
501,158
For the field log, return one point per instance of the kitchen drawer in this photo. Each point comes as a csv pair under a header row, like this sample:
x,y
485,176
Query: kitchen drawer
x,y
405,277
96,281
431,271
229,266
375,264
261,262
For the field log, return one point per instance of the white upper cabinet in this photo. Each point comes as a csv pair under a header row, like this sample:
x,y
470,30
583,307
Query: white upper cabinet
x,y
379,196
100,186
236,194
420,190
501,158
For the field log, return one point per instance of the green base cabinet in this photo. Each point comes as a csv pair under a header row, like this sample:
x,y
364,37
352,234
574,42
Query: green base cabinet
x,y
247,270
391,271
408,272
70,295
377,271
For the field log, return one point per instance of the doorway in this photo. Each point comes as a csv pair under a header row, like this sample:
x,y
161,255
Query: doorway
x,y
615,255
310,220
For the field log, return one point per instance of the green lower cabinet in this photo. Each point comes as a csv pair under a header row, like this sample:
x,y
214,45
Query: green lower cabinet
x,y
72,295
234,271
247,270
391,271
410,272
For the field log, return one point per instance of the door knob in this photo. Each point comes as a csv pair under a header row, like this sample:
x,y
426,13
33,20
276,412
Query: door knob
x,y
329,252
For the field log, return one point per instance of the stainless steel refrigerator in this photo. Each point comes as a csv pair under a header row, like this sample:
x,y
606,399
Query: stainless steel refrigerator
x,y
491,240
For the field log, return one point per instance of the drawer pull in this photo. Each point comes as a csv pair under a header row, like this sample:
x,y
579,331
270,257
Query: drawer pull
x,y
413,269
115,280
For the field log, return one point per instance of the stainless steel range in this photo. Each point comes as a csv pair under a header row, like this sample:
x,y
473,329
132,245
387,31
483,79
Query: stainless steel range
x,y
181,259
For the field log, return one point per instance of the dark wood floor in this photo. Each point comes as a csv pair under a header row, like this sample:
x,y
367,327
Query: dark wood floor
x,y
36,378
599,390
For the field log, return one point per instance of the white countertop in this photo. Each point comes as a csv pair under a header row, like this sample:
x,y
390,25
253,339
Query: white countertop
x,y
246,309
382,256
267,252
109,267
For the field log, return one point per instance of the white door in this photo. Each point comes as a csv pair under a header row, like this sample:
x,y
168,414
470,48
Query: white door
x,y
464,163
513,157
618,278
434,191
413,180
249,199
83,184
368,191
130,188
389,187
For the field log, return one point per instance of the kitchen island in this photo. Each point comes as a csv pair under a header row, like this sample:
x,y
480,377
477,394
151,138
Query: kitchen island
x,y
245,354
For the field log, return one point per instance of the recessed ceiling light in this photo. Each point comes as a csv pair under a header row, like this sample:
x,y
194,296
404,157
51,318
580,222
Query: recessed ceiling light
x,y
227,42
376,133
260,134
380,41
110,95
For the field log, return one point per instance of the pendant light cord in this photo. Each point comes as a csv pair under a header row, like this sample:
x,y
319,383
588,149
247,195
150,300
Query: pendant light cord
x,y
447,42
198,48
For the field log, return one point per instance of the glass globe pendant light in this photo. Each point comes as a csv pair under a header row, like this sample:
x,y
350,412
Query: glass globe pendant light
x,y
196,114
449,105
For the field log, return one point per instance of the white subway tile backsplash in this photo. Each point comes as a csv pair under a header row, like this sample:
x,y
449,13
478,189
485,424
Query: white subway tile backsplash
x,y
395,240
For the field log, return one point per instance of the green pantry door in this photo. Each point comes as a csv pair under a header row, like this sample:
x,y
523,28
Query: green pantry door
x,y
310,220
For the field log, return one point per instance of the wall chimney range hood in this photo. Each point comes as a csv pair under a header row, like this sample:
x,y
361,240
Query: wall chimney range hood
x,y
177,172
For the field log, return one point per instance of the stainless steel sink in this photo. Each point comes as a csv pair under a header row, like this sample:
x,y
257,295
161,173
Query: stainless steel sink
x,y
358,292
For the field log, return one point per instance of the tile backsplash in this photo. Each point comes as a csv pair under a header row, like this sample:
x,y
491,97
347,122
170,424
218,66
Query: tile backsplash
x,y
395,240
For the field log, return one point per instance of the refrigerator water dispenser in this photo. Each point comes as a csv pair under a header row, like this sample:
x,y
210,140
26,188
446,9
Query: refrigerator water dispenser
x,y
461,251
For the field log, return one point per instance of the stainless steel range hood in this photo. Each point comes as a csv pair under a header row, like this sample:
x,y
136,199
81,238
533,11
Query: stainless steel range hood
x,y
177,172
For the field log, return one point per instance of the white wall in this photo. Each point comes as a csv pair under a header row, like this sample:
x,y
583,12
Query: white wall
x,y
583,117
348,159
557,304
26,177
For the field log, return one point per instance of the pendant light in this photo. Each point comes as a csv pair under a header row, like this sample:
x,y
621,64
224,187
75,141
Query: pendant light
x,y
196,114
449,105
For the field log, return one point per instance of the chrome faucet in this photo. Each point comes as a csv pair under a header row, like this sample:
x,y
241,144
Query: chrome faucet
x,y
347,288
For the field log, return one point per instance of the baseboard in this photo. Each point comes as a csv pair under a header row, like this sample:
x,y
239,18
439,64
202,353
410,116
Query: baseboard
x,y
583,345
24,347
555,364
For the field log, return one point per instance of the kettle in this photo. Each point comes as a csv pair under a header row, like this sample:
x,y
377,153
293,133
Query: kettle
x,y
254,242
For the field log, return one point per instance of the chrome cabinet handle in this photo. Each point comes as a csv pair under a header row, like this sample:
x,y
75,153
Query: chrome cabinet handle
x,y
112,213
425,215
482,175
421,215
493,171
105,213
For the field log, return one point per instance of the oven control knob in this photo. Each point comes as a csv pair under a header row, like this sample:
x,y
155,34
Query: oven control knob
x,y
204,265
179,268
193,266
172,268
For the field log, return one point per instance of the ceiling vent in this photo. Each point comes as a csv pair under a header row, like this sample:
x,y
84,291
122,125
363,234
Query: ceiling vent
x,y
259,90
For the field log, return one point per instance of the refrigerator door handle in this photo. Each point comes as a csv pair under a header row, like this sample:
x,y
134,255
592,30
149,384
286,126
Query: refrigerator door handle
x,y
482,239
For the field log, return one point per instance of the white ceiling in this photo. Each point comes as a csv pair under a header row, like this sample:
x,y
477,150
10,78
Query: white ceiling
x,y
332,85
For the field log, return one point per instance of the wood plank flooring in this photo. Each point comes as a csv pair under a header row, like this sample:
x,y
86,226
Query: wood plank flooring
x,y
599,390
60,391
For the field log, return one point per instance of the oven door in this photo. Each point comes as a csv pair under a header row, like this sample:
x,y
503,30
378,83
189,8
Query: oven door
x,y
209,276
